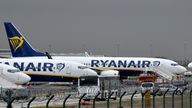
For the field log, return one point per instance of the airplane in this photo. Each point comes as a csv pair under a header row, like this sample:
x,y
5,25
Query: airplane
x,y
13,75
49,70
123,66
189,68
189,65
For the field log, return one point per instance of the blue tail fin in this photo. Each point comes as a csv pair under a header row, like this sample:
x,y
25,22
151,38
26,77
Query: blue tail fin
x,y
18,44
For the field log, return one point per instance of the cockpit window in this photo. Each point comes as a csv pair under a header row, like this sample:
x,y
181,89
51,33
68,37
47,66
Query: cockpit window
x,y
174,64
82,67
13,70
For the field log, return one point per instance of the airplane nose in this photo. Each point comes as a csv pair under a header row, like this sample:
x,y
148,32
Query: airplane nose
x,y
181,70
23,78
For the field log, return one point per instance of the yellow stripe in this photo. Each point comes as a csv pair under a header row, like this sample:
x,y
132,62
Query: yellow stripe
x,y
103,68
132,77
44,74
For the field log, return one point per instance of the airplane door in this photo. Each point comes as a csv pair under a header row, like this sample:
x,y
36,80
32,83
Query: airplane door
x,y
68,69
1,71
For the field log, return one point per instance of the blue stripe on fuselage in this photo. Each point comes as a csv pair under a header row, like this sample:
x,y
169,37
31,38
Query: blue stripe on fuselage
x,y
42,78
126,73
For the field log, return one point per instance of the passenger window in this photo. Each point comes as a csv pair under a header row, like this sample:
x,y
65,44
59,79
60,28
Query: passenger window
x,y
13,70
82,67
174,64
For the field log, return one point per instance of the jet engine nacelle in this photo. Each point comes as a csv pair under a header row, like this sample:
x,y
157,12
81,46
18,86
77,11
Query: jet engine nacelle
x,y
188,73
110,73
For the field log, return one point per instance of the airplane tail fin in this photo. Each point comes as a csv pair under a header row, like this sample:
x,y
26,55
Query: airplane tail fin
x,y
18,44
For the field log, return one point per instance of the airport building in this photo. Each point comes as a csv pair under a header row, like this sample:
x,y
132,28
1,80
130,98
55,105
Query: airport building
x,y
5,53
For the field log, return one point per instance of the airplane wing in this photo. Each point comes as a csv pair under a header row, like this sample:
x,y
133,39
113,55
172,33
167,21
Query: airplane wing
x,y
106,71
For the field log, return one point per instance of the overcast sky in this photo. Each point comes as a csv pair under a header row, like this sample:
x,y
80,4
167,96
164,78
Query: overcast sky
x,y
130,27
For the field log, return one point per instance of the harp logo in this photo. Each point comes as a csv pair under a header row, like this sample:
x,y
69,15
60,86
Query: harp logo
x,y
60,66
16,42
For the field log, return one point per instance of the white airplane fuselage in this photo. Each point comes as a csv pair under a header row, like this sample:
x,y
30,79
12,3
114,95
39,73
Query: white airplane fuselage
x,y
126,66
13,75
48,70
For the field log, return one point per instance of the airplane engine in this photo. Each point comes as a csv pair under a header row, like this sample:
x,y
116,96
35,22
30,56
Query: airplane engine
x,y
110,73
188,73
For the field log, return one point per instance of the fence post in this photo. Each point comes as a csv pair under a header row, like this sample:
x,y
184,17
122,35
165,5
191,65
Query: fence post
x,y
173,100
9,104
8,98
182,97
190,99
154,94
109,96
121,99
142,99
66,100
81,99
28,105
47,105
164,97
132,98
95,99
